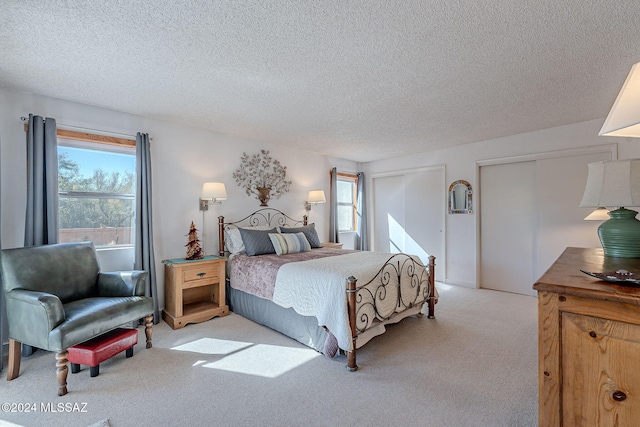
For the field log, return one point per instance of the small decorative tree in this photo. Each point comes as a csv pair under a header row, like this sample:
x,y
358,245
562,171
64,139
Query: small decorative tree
x,y
262,175
194,251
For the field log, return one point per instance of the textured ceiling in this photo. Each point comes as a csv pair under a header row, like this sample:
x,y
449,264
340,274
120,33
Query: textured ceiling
x,y
360,80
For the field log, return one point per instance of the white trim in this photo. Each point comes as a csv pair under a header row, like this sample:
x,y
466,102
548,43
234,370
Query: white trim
x,y
612,148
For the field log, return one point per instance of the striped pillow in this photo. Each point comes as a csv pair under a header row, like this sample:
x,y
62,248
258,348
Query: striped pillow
x,y
289,243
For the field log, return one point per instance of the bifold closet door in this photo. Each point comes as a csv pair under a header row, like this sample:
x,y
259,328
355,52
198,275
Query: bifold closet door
x,y
507,226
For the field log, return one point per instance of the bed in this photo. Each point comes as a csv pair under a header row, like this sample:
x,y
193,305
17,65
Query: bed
x,y
325,298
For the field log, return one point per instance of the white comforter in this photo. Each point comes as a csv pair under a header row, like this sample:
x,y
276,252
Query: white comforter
x,y
317,288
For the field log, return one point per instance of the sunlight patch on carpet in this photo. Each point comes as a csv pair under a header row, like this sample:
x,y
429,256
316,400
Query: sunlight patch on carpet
x,y
212,346
264,360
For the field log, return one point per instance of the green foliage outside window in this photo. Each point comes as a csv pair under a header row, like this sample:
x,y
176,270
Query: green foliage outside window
x,y
98,206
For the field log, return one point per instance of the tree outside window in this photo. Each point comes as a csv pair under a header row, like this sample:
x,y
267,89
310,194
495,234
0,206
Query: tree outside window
x,y
96,190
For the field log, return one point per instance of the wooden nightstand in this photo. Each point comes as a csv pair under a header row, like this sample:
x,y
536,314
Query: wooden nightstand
x,y
331,245
194,290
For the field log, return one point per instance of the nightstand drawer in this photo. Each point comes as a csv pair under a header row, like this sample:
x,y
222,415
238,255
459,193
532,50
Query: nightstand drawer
x,y
200,273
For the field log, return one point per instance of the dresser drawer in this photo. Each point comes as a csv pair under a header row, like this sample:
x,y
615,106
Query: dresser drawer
x,y
204,272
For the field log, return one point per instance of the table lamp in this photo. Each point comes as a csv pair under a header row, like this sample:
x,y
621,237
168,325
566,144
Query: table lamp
x,y
616,184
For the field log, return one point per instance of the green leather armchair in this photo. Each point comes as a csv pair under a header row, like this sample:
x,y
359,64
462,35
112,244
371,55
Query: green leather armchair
x,y
56,297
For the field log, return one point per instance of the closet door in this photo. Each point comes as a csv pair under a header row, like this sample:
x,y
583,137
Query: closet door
x,y
560,184
388,214
409,212
425,212
507,226
529,213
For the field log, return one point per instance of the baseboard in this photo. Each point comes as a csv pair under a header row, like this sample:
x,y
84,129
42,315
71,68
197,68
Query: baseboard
x,y
462,283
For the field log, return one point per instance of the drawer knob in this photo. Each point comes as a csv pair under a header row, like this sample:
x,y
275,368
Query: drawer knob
x,y
201,274
619,396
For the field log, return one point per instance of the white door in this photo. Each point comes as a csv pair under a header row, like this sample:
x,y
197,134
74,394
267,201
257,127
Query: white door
x,y
529,213
409,212
507,226
388,213
560,184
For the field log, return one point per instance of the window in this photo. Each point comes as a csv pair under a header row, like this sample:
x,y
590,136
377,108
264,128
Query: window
x,y
347,197
96,189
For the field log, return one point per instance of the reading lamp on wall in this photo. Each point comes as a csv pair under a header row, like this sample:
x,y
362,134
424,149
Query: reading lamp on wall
x,y
315,197
212,192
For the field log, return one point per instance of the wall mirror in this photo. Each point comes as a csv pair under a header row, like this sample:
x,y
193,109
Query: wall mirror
x,y
460,197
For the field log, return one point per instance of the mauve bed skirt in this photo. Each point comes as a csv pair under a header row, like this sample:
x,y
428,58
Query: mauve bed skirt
x,y
303,329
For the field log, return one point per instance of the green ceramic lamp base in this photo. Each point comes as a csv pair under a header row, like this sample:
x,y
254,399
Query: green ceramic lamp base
x,y
620,235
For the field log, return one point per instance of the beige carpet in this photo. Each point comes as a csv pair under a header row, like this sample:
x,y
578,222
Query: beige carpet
x,y
474,365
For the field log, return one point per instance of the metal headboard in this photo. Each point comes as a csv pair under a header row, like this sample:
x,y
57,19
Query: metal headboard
x,y
265,216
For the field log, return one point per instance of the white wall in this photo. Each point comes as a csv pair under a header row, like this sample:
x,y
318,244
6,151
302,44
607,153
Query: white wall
x,y
182,158
460,163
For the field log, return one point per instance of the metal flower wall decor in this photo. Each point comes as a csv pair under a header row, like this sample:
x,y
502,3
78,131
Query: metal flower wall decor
x,y
263,176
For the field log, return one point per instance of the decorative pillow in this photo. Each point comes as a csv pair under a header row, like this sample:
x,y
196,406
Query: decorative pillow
x,y
309,232
289,243
257,242
233,240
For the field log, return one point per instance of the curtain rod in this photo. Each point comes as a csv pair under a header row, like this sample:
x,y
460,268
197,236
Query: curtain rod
x,y
26,119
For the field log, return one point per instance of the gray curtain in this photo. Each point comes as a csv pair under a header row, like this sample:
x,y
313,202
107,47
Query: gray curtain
x,y
362,237
41,220
41,224
144,257
2,308
333,207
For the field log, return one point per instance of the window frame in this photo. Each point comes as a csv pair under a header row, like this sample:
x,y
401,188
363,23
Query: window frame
x,y
353,179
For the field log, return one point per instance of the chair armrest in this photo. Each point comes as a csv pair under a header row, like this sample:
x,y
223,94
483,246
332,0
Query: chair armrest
x,y
33,312
122,283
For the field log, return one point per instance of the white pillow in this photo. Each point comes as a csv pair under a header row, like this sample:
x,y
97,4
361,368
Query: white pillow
x,y
233,240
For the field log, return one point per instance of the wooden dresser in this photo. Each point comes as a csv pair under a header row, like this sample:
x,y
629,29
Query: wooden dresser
x,y
588,343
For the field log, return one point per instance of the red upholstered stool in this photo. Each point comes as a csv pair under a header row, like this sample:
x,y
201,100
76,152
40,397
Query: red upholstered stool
x,y
99,349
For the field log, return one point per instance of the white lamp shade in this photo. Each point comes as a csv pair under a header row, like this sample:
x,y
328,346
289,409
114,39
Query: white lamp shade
x,y
213,191
624,117
599,214
614,183
316,196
